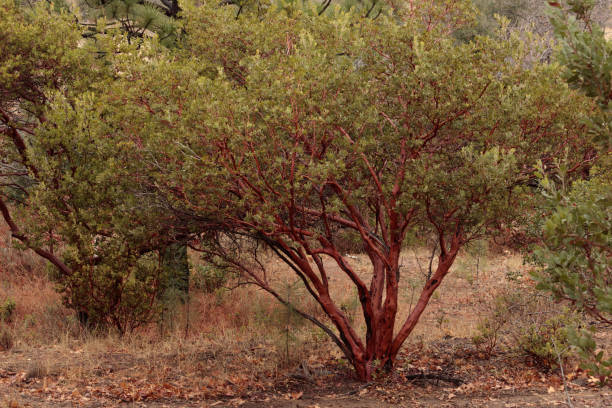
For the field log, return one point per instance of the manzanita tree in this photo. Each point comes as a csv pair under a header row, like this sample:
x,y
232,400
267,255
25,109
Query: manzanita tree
x,y
58,197
285,131
37,56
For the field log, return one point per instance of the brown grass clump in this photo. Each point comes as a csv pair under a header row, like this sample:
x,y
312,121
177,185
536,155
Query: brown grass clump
x,y
36,370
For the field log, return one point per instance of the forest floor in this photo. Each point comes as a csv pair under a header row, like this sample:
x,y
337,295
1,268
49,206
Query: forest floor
x,y
240,348
453,378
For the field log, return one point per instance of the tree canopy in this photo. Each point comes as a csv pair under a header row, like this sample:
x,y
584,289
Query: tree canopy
x,y
576,255
275,132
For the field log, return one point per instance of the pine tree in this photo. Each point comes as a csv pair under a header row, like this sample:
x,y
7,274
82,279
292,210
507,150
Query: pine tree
x,y
138,18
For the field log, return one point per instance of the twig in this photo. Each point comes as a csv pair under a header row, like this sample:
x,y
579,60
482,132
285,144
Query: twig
x,y
357,390
300,377
187,317
431,376
567,396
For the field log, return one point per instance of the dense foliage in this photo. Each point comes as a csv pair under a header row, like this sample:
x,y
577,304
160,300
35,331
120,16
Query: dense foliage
x,y
57,195
577,254
278,127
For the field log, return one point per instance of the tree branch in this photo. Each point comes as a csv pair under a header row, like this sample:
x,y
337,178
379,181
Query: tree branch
x,y
16,233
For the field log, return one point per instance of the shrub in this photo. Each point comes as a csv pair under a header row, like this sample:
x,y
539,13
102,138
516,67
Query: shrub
x,y
576,255
7,309
122,294
524,321
490,328
597,362
548,343
288,149
577,263
208,278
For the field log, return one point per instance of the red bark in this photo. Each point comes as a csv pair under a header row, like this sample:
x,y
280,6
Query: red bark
x,y
16,233
301,244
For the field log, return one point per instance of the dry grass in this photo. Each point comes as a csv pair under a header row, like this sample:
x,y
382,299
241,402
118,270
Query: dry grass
x,y
39,317
236,337
245,318
228,342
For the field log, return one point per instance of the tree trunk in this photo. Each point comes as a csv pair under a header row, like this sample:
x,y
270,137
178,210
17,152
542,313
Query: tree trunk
x,y
176,268
382,344
382,360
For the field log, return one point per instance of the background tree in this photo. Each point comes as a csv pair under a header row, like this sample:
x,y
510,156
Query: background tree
x,y
488,12
37,56
74,215
577,250
525,16
135,18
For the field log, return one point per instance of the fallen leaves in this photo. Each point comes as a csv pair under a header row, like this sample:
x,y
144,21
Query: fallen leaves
x,y
125,379
296,395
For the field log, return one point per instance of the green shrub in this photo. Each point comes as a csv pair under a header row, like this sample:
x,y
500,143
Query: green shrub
x,y
548,342
576,253
7,309
208,278
121,293
596,361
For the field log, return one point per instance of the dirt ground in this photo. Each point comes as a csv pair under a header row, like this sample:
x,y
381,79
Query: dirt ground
x,y
455,377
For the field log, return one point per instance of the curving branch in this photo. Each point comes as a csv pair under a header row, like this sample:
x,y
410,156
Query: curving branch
x,y
17,234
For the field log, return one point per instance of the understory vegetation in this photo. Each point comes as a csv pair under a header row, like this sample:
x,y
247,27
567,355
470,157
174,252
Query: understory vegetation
x,y
322,187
